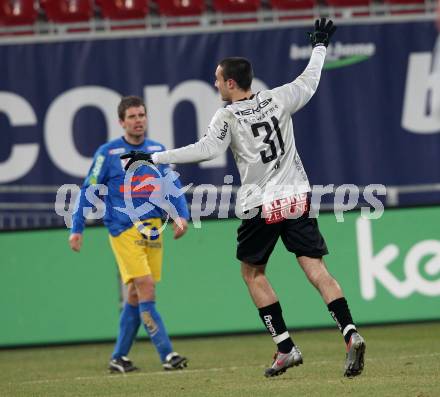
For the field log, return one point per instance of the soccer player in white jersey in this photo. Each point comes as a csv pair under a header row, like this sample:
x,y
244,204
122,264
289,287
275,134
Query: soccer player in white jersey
x,y
275,192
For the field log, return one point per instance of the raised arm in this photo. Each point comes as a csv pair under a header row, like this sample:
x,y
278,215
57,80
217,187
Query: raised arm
x,y
297,93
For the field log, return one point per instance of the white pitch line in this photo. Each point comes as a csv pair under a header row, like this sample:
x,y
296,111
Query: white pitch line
x,y
196,371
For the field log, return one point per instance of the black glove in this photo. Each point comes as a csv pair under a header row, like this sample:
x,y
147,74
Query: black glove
x,y
323,32
136,155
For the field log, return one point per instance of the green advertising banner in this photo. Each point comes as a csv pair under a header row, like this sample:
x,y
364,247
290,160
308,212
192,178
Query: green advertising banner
x,y
49,294
389,269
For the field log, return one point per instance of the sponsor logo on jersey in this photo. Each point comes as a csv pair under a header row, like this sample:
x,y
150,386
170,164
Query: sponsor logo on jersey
x,y
338,54
93,179
223,131
142,186
118,150
154,148
285,208
260,106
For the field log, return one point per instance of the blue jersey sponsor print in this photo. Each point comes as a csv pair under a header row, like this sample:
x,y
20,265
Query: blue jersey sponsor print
x,y
156,185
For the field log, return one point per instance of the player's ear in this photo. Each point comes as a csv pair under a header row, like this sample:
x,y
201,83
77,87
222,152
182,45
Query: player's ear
x,y
231,84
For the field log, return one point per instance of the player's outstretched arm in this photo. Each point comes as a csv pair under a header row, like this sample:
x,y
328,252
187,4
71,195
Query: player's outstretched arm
x,y
297,93
215,142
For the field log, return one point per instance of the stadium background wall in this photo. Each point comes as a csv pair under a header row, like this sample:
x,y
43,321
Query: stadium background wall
x,y
388,267
369,122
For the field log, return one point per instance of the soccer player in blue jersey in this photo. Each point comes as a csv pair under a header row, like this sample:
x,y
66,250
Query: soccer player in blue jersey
x,y
137,247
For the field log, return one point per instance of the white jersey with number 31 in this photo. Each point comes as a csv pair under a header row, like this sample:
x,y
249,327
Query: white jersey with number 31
x,y
259,132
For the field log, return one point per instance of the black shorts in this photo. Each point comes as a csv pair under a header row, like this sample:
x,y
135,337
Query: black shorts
x,y
256,239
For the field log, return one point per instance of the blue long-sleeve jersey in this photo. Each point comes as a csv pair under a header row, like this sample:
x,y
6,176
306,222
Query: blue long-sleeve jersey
x,y
148,184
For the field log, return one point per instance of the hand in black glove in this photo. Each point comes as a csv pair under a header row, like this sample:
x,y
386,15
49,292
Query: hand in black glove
x,y
323,32
136,155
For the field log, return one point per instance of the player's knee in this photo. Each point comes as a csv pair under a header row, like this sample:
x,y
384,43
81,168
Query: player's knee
x,y
132,296
322,280
246,277
145,288
251,273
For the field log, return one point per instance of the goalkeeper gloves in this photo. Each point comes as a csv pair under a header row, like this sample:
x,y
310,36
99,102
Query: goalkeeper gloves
x,y
136,155
323,32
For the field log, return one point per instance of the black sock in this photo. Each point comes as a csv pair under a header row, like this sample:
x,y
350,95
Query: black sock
x,y
273,320
341,314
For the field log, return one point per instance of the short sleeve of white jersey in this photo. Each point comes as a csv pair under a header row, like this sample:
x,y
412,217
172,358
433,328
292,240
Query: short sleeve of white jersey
x,y
296,94
214,143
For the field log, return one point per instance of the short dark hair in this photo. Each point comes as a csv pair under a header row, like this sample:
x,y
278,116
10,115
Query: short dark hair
x,y
129,102
238,69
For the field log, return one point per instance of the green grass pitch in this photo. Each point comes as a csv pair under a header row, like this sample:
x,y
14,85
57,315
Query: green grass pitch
x,y
401,360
